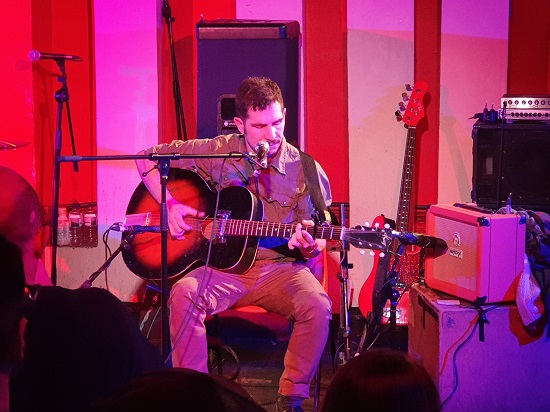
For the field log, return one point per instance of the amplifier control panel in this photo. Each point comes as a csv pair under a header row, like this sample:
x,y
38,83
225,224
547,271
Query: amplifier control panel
x,y
516,101
525,114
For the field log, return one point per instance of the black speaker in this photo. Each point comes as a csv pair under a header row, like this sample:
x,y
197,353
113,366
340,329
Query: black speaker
x,y
524,149
228,51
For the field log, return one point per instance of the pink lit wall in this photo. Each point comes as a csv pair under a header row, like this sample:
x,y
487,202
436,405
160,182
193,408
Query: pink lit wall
x,y
474,62
123,97
126,37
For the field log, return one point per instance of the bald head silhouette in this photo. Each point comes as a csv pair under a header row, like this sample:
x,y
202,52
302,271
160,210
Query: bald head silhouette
x,y
21,217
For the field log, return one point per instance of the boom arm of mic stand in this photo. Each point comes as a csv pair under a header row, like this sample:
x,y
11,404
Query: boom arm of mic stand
x,y
124,244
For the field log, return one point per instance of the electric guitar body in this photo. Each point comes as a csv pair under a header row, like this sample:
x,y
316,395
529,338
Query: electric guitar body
x,y
374,305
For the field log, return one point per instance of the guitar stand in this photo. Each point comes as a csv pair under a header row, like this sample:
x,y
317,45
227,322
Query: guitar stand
x,y
374,327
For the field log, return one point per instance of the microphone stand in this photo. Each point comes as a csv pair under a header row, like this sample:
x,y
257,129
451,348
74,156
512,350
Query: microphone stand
x,y
163,161
164,169
180,117
62,98
343,276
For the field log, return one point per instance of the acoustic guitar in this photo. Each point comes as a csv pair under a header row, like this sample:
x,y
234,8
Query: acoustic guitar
x,y
234,231
368,299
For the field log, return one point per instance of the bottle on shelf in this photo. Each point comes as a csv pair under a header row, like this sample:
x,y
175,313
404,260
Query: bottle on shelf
x,y
89,234
62,227
75,228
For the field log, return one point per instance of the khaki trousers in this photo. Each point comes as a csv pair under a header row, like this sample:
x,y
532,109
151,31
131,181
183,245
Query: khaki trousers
x,y
286,288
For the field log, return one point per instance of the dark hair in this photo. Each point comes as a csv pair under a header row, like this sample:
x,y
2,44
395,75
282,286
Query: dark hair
x,y
12,289
179,389
382,380
257,93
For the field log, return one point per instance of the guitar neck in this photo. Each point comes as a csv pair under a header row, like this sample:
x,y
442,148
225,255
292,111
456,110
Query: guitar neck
x,y
403,210
271,229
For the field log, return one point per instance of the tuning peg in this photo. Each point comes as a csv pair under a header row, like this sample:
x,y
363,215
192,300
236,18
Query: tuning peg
x,y
362,251
382,254
408,87
402,107
405,96
370,253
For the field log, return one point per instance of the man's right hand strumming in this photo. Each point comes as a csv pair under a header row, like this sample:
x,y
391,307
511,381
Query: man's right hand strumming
x,y
176,211
176,218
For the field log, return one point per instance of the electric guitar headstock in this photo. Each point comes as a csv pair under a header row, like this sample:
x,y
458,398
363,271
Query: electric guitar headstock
x,y
414,111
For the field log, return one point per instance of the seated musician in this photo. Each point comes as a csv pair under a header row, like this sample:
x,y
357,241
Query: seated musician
x,y
279,279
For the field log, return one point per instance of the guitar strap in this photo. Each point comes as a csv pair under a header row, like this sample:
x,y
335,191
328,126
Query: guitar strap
x,y
312,186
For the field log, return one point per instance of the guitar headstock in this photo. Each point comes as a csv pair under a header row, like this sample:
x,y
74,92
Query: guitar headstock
x,y
414,111
364,237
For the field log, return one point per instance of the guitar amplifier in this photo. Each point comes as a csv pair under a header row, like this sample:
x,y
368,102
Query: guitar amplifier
x,y
485,252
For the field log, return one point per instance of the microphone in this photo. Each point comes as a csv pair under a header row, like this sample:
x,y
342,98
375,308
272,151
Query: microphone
x,y
119,227
424,241
35,55
262,149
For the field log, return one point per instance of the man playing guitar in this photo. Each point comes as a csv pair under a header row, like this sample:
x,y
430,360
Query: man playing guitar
x,y
278,280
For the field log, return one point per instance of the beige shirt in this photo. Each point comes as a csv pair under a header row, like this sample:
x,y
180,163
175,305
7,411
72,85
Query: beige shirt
x,y
281,187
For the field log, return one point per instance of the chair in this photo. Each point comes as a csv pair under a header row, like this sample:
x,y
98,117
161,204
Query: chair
x,y
219,362
222,357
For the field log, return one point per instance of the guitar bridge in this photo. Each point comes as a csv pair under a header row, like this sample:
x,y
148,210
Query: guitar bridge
x,y
219,226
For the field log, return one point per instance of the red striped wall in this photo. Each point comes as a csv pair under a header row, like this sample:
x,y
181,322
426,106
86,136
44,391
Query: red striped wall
x,y
326,91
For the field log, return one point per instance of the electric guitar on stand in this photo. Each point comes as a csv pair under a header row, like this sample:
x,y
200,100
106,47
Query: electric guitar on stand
x,y
371,300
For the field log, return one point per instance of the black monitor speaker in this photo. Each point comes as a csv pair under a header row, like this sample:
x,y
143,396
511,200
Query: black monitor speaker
x,y
524,149
228,51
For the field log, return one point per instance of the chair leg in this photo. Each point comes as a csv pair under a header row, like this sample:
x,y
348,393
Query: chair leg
x,y
317,388
333,336
216,346
221,356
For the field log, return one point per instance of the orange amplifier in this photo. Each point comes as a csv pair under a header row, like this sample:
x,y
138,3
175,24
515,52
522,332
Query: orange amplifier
x,y
485,252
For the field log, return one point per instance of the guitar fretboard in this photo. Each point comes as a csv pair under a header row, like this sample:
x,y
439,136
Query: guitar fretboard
x,y
271,229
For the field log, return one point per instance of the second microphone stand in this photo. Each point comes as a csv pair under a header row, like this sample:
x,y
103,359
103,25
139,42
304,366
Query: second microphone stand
x,y
163,165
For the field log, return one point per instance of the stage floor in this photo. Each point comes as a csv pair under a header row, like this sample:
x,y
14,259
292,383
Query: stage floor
x,y
259,342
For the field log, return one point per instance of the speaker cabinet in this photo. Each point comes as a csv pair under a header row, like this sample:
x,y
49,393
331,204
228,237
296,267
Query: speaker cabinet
x,y
228,51
525,152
